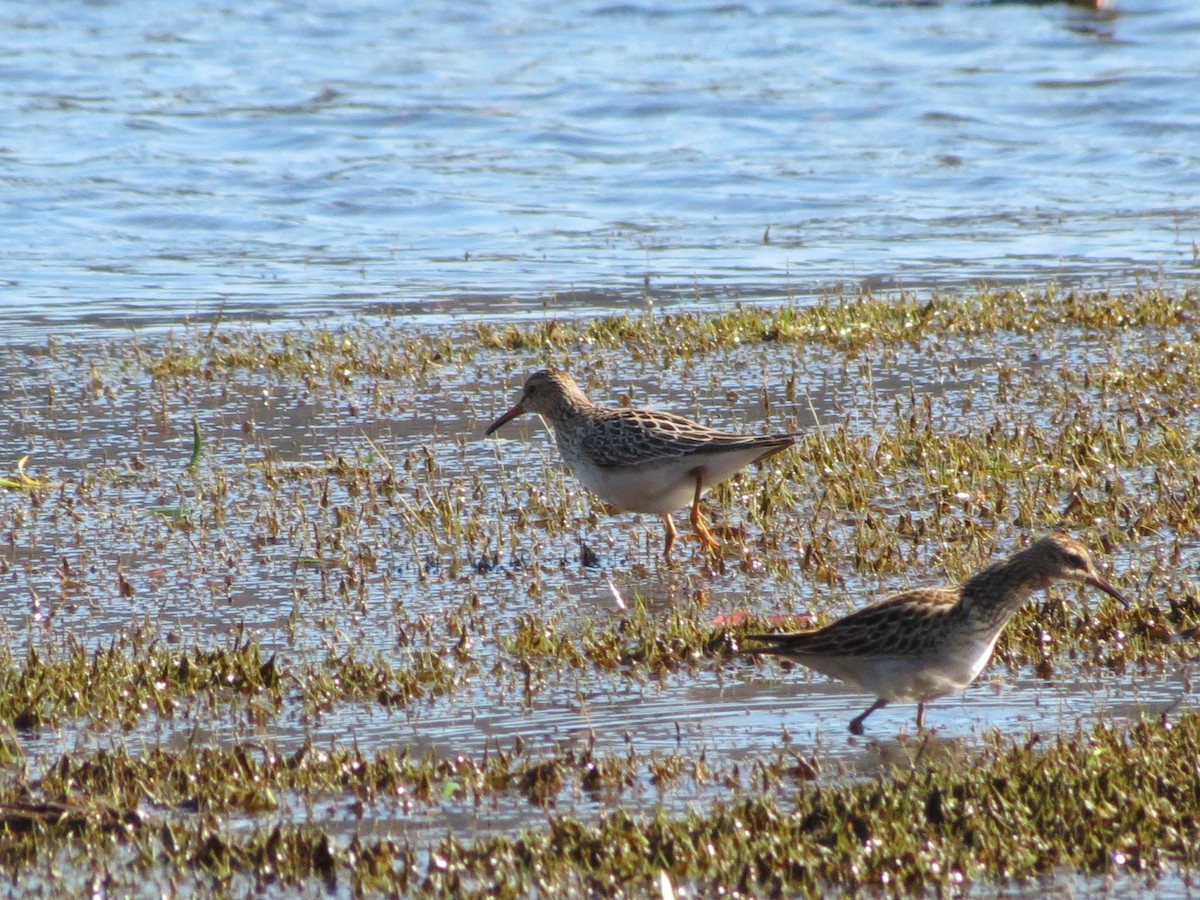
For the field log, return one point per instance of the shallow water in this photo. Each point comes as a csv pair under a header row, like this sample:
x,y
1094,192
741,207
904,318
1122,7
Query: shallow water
x,y
270,558
163,161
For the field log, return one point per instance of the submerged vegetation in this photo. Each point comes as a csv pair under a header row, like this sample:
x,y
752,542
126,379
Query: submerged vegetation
x,y
275,614
1113,802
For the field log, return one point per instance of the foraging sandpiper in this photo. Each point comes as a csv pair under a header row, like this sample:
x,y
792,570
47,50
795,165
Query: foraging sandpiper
x,y
639,460
925,643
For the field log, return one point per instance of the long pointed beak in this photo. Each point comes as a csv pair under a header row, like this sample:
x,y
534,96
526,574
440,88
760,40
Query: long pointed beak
x,y
507,417
1097,582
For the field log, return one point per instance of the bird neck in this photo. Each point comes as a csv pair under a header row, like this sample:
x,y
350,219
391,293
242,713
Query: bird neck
x,y
571,407
993,596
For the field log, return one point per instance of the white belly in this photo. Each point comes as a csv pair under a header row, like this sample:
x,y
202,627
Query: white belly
x,y
907,678
657,487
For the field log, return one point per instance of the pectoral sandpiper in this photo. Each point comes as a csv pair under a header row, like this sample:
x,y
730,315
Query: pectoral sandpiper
x,y
639,460
926,643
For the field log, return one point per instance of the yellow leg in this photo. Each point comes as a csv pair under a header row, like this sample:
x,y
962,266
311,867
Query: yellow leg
x,y
697,520
671,535
856,724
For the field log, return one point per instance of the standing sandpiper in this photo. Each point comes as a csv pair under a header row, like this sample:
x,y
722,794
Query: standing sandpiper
x,y
926,643
638,460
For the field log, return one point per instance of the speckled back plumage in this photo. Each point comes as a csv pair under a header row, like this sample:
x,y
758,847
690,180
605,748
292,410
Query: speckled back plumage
x,y
908,624
625,437
610,436
915,622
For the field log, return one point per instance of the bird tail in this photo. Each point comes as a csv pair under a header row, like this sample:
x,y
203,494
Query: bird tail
x,y
780,642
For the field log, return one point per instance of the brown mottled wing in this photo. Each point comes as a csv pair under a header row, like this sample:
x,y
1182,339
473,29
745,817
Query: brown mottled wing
x,y
903,625
627,437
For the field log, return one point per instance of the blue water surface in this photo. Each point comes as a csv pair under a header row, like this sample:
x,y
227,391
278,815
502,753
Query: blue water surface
x,y
162,160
